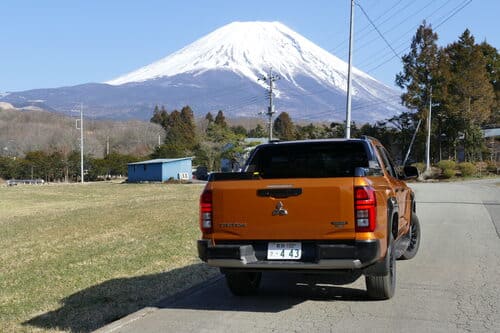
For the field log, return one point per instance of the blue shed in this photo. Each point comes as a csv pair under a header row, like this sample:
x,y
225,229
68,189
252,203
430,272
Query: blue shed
x,y
160,170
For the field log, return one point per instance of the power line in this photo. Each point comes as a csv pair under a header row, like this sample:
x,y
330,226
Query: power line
x,y
454,12
377,54
358,39
402,36
398,24
375,27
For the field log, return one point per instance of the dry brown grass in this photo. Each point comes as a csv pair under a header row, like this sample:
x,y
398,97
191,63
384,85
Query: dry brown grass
x,y
74,257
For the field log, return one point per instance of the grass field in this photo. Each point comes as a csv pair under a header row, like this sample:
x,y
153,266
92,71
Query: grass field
x,y
74,257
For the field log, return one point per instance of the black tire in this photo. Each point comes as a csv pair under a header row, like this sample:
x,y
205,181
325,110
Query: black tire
x,y
243,283
383,287
412,248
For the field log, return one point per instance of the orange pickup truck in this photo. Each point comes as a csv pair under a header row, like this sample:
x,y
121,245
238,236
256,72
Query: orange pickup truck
x,y
336,206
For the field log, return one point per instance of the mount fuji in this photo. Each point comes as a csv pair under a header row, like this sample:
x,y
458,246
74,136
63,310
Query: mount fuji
x,y
224,71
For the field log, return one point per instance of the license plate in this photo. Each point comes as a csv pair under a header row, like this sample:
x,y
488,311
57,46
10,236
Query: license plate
x,y
284,250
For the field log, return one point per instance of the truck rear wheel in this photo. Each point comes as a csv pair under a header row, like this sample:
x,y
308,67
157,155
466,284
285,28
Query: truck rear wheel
x,y
382,287
412,248
243,283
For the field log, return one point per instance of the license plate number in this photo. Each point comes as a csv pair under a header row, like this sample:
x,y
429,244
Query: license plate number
x,y
284,250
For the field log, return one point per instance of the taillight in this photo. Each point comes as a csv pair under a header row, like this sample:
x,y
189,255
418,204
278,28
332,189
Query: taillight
x,y
206,211
365,209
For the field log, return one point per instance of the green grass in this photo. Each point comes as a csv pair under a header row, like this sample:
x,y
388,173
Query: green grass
x,y
75,257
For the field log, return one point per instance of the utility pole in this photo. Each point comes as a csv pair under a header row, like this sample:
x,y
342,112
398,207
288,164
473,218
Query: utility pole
x,y
107,145
270,79
349,78
428,146
81,140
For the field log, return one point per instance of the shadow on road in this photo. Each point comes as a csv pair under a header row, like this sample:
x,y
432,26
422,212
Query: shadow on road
x,y
94,307
278,292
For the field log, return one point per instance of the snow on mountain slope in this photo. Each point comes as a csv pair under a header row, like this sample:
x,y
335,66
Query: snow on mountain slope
x,y
251,49
221,71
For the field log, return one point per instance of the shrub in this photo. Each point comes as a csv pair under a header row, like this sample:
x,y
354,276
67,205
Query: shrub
x,y
481,167
467,169
492,167
420,167
448,173
447,164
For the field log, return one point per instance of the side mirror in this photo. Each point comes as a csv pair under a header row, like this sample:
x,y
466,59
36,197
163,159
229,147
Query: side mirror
x,y
410,172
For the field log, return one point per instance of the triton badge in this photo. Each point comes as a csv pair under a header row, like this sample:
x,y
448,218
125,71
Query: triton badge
x,y
280,210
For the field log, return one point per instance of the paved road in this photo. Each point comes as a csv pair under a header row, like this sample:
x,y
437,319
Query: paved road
x,y
452,285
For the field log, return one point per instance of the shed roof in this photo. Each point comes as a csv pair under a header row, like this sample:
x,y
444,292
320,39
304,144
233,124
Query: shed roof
x,y
161,160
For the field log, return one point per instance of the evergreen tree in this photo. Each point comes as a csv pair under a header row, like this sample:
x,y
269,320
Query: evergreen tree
x,y
239,130
470,94
180,133
257,132
189,128
311,131
209,118
423,73
419,69
220,119
221,142
492,59
160,117
283,127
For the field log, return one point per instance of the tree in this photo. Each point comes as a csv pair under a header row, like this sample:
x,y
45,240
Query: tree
x,y
337,130
13,168
220,142
257,132
39,162
470,94
312,131
405,125
220,119
188,128
283,127
492,59
160,117
209,118
180,138
424,73
420,69
239,130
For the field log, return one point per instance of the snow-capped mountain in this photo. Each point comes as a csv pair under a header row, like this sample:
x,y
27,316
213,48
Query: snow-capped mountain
x,y
249,49
224,70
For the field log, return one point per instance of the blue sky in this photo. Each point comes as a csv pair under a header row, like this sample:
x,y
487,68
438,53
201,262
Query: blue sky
x,y
56,43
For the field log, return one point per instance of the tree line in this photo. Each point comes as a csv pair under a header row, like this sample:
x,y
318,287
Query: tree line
x,y
54,167
25,131
459,82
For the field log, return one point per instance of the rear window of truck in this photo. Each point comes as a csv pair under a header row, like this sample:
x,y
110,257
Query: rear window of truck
x,y
308,160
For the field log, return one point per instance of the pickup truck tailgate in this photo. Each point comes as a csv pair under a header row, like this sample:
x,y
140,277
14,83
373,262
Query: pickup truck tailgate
x,y
283,209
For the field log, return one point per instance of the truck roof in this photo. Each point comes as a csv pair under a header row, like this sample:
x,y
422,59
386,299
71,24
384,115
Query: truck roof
x,y
363,138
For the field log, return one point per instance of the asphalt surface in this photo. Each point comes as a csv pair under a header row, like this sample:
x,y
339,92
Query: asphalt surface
x,y
452,285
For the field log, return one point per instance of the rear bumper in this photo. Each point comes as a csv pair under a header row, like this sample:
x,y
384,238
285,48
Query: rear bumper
x,y
337,255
